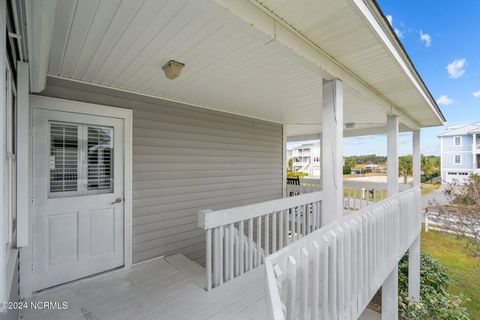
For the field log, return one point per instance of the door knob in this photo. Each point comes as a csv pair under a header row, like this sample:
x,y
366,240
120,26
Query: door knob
x,y
117,200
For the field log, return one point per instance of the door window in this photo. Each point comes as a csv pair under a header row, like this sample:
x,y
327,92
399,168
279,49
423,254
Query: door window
x,y
81,159
100,159
64,158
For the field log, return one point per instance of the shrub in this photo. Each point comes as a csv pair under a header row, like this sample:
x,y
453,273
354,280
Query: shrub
x,y
347,170
435,302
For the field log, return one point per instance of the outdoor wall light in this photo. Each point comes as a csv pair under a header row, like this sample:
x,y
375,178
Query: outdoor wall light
x,y
172,69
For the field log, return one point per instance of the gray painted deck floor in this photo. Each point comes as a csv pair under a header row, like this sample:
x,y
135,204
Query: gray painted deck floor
x,y
164,288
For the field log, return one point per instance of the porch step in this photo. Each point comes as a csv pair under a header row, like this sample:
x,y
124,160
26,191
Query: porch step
x,y
189,268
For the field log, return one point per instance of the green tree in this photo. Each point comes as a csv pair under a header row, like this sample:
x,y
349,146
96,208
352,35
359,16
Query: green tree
x,y
405,167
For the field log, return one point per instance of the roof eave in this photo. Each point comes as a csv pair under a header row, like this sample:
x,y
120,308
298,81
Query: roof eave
x,y
388,29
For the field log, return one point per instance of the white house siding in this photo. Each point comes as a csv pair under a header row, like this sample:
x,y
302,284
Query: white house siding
x,y
185,159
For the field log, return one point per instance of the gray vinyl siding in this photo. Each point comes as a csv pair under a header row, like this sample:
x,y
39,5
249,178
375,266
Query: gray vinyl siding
x,y
185,159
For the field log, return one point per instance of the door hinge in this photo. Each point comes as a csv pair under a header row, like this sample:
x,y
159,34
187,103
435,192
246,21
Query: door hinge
x,y
32,266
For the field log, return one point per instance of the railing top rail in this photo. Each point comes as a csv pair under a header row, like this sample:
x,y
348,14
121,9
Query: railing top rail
x,y
325,230
365,184
212,219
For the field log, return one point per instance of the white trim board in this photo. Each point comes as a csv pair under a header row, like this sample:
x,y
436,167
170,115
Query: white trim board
x,y
55,104
457,152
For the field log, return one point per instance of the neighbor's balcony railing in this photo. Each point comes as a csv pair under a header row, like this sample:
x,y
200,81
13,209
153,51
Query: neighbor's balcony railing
x,y
334,272
238,239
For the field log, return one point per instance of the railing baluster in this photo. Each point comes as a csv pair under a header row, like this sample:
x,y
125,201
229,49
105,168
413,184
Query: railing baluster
x,y
304,210
216,255
208,262
231,253
305,284
315,280
286,225
274,232
250,244
298,211
291,286
324,277
259,241
333,277
281,230
221,257
354,198
226,254
267,236
241,247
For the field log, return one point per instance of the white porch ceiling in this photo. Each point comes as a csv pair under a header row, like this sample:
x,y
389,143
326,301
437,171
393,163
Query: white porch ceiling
x,y
123,45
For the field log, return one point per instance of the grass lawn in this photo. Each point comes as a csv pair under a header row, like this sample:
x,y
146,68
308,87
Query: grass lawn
x,y
428,187
463,269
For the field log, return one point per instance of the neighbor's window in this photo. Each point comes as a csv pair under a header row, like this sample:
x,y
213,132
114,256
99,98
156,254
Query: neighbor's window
x,y
457,141
457,159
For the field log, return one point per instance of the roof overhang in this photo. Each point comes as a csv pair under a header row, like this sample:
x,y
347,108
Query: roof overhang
x,y
245,57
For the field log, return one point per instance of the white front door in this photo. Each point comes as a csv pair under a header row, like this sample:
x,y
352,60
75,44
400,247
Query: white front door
x,y
78,196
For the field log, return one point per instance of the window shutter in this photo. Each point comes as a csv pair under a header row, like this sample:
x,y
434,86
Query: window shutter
x,y
100,158
63,158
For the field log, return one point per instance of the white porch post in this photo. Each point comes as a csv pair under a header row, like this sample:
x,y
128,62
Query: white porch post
x,y
332,140
390,286
414,250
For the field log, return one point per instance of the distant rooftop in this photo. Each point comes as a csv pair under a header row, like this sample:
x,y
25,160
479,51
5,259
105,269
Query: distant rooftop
x,y
306,145
461,129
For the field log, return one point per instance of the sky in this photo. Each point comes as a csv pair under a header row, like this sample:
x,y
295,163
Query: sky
x,y
442,37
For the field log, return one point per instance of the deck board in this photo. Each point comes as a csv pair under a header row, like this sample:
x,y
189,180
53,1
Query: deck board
x,y
157,289
167,289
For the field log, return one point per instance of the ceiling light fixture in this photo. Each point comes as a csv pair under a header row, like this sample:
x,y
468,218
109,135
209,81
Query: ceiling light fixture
x,y
172,69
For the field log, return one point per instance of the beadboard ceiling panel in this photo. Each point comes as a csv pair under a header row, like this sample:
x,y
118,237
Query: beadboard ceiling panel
x,y
123,45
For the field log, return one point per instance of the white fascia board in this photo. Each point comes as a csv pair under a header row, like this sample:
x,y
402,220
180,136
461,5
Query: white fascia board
x,y
251,15
40,21
378,25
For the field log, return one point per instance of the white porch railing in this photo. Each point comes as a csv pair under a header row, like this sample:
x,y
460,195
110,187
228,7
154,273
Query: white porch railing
x,y
334,272
238,239
360,194
357,194
305,186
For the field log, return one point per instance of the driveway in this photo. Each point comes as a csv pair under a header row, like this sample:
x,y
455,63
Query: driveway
x,y
435,195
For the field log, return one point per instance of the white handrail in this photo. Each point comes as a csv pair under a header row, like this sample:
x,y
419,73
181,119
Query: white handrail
x,y
335,271
238,239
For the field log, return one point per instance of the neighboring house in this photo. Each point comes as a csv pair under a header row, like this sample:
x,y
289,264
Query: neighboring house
x,y
306,158
169,181
460,151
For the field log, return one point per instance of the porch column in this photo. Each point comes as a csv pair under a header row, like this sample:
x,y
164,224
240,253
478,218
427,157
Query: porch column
x,y
414,250
332,140
390,286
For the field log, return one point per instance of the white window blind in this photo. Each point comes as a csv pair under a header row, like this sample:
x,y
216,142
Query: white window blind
x,y
81,159
64,157
100,158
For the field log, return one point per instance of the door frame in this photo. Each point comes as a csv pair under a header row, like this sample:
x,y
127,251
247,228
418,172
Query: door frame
x,y
72,106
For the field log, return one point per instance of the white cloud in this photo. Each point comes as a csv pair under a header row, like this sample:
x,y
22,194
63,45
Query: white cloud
x,y
390,19
456,68
445,100
397,31
476,94
425,37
